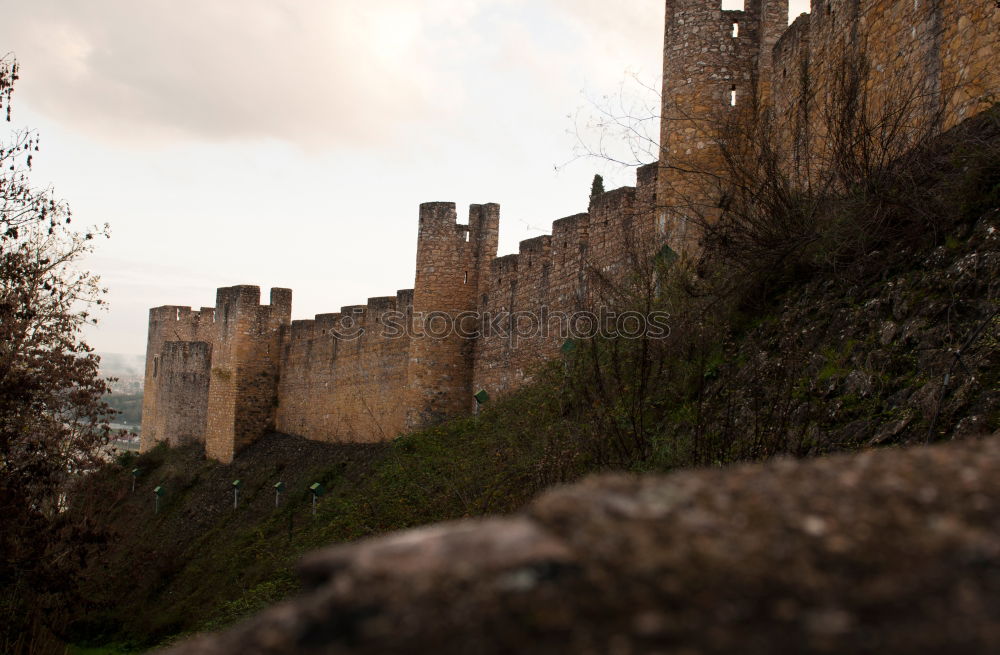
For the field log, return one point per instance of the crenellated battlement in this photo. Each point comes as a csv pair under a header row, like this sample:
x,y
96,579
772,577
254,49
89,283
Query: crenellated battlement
x,y
570,227
354,310
473,320
180,318
380,305
506,265
339,325
536,246
368,372
452,264
938,58
609,202
242,303
342,375
234,345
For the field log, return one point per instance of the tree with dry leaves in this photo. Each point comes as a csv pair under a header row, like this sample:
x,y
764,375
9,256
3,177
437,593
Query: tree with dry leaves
x,y
53,421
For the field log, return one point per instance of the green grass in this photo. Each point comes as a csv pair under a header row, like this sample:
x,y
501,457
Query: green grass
x,y
199,564
101,650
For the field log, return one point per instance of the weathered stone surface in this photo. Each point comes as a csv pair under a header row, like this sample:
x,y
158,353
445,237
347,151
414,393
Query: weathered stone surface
x,y
933,56
225,386
893,551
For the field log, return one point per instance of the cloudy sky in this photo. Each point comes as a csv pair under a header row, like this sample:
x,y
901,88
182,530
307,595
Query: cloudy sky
x,y
289,142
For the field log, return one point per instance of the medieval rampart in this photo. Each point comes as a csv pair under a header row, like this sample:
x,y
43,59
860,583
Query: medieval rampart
x,y
182,386
225,375
532,302
344,375
214,373
166,325
935,57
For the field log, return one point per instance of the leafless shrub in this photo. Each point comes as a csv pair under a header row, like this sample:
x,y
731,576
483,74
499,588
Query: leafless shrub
x,y
857,171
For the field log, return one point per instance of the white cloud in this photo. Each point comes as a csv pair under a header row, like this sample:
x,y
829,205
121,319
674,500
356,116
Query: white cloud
x,y
309,71
317,73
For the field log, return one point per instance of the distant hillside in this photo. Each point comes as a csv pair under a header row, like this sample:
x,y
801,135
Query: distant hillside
x,y
118,364
129,372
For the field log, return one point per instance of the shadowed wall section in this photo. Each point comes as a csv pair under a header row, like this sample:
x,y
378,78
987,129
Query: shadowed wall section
x,y
171,324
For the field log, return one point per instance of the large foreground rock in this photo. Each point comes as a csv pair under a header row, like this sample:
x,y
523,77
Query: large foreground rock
x,y
884,552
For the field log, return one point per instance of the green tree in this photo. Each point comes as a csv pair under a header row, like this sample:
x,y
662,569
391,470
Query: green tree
x,y
53,422
596,188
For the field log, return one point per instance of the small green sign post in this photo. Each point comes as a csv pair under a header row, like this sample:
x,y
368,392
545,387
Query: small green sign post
x,y
482,397
158,492
236,493
317,490
278,488
666,256
135,475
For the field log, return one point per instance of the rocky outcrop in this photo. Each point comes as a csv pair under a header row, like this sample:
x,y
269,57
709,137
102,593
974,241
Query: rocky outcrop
x,y
901,348
892,551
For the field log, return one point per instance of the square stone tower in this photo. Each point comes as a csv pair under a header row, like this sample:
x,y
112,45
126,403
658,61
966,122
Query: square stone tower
x,y
713,59
451,260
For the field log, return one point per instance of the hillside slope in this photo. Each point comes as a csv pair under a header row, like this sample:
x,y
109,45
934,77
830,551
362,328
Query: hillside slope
x,y
902,348
896,551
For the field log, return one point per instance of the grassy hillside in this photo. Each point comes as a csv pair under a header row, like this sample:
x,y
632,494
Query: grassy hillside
x,y
200,563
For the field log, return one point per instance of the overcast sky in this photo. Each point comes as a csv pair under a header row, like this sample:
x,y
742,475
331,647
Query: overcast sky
x,y
289,142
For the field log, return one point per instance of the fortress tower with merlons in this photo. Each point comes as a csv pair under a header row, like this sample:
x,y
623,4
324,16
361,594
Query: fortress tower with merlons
x,y
226,375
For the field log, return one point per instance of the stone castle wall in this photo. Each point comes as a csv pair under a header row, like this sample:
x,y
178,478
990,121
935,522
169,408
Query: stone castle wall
x,y
244,378
451,259
945,50
936,57
213,374
344,375
183,387
712,59
170,324
532,302
226,375
370,372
